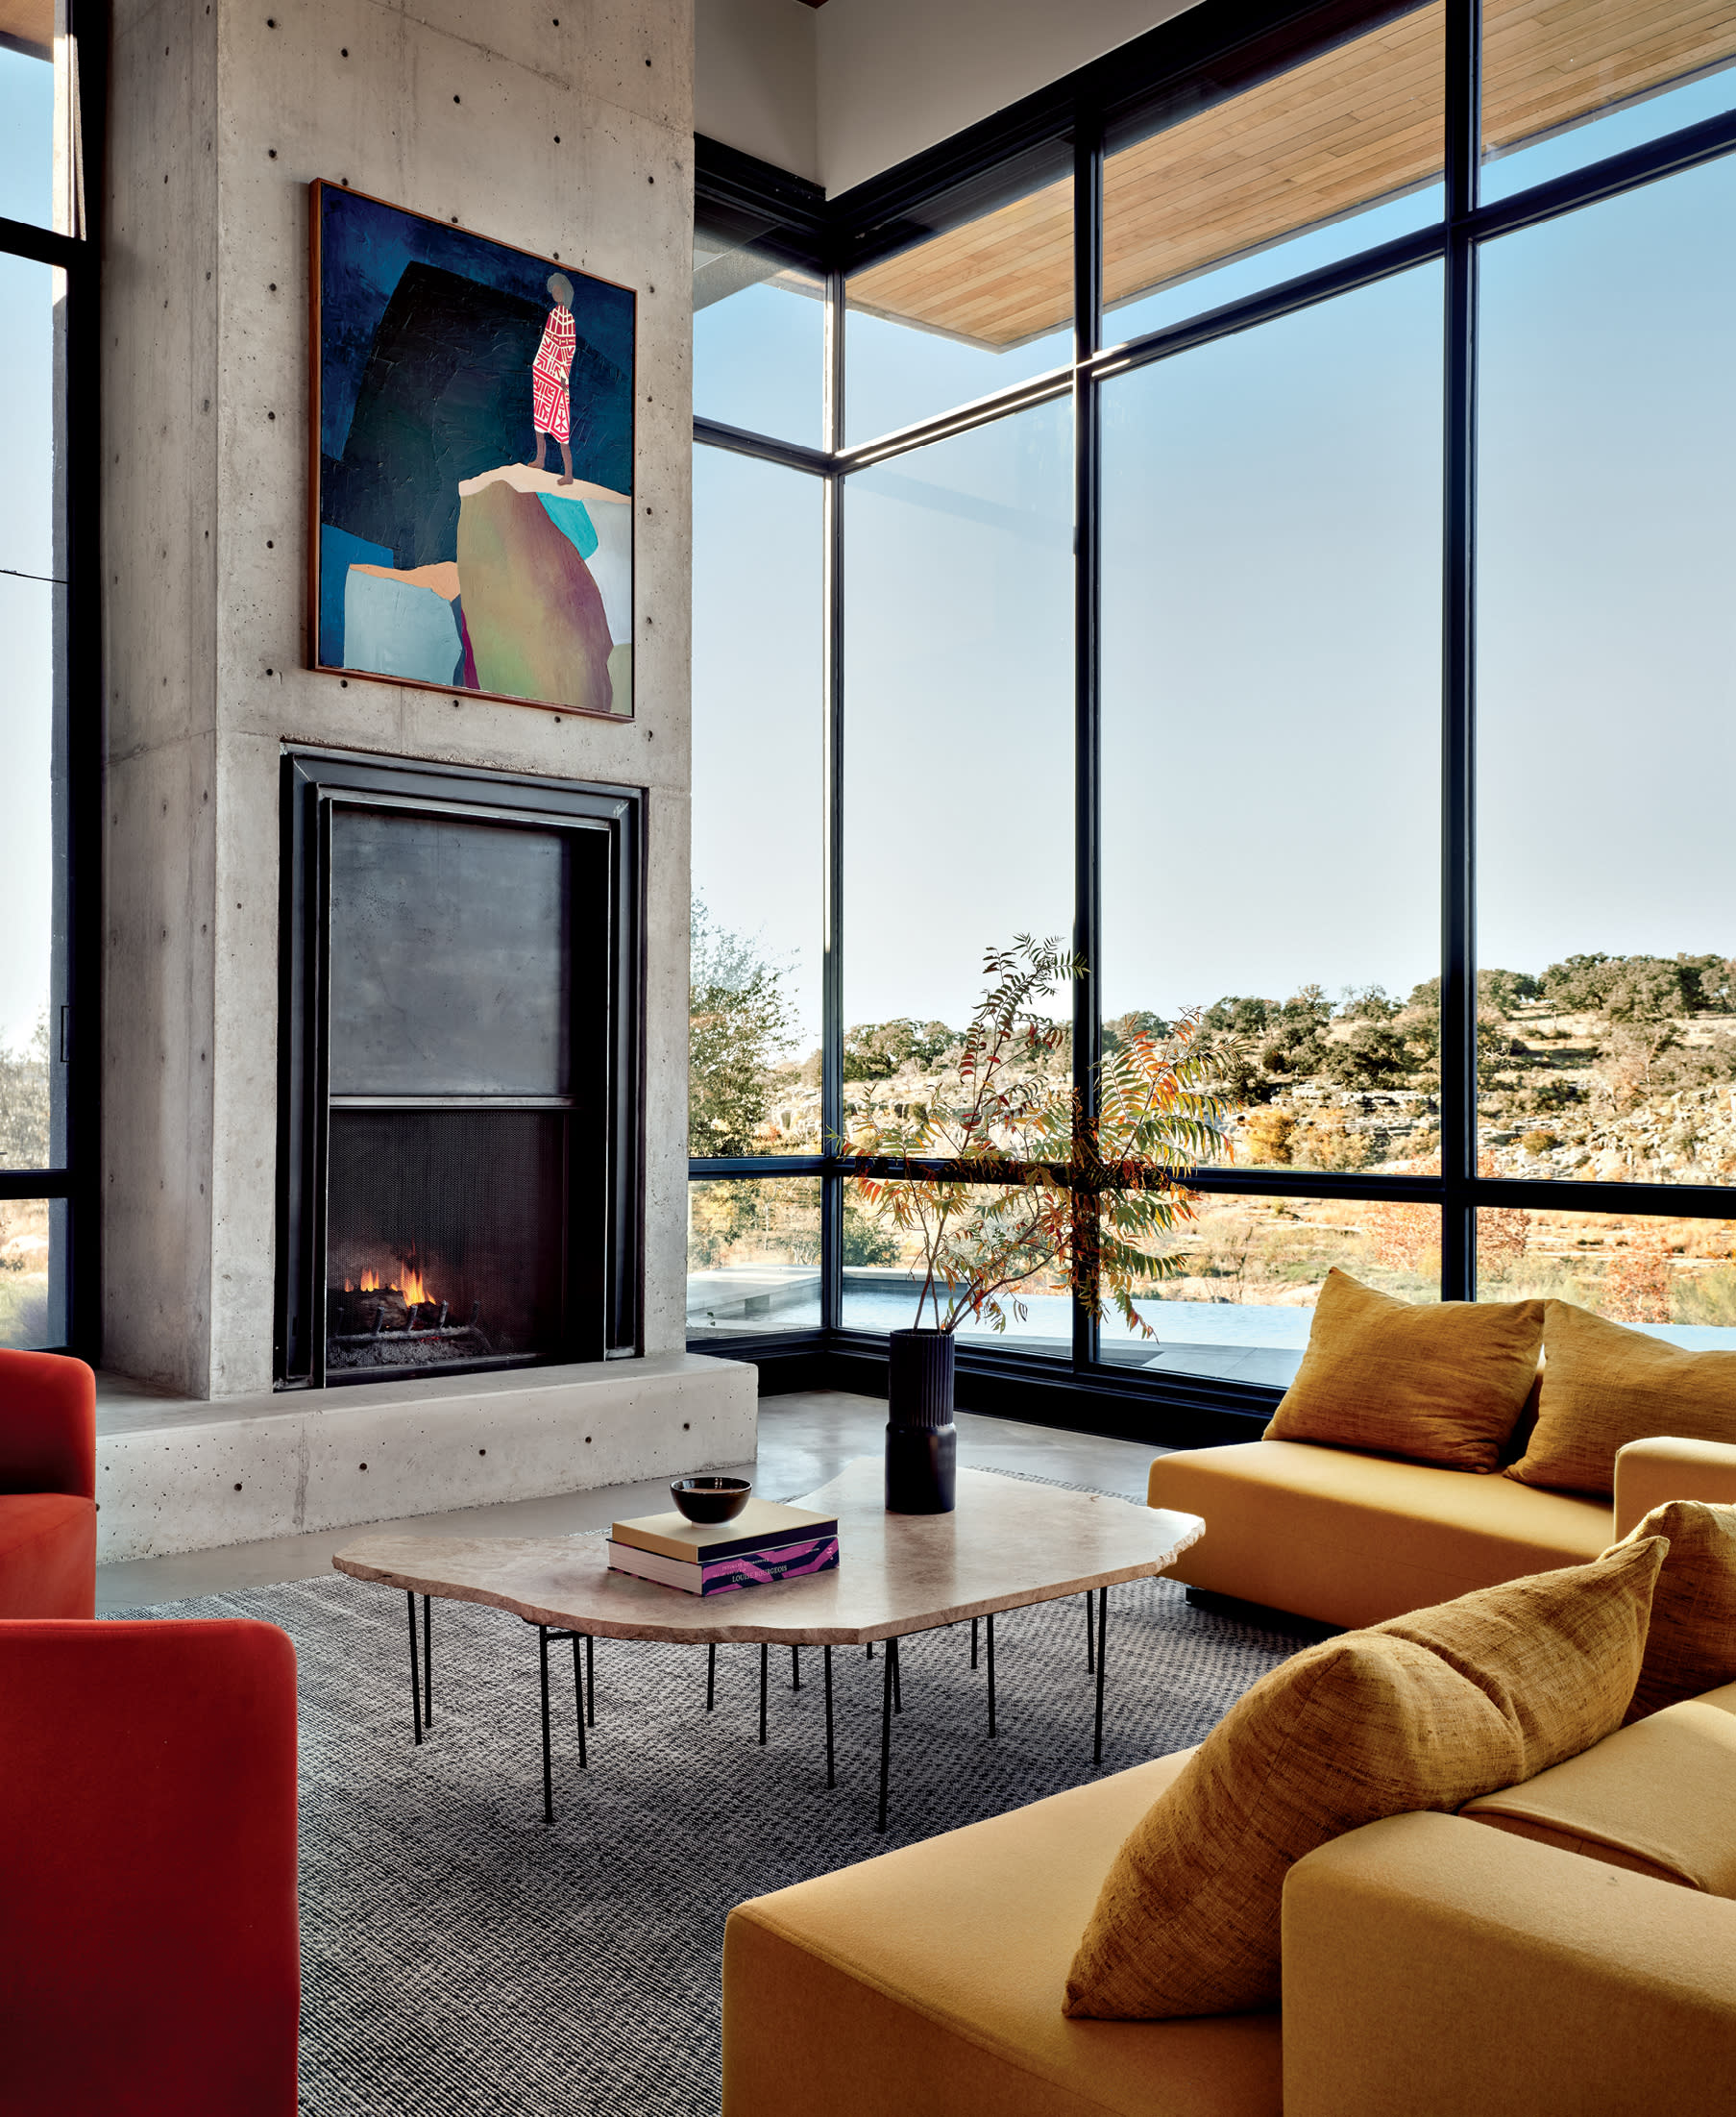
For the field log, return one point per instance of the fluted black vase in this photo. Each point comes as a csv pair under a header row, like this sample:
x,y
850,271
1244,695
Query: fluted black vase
x,y
921,1441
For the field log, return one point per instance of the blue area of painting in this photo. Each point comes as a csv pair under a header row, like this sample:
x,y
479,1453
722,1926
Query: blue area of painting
x,y
399,628
573,520
339,550
364,250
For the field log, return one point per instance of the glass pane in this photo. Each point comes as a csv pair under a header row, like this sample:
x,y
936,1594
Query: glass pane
x,y
1606,680
27,111
1336,155
752,1257
984,302
32,1274
1674,1279
959,735
32,884
1571,80
759,340
882,1279
28,293
753,1054
1251,1270
1271,719
450,957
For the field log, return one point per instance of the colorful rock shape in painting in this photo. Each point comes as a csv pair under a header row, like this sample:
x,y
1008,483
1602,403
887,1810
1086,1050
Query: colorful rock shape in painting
x,y
445,557
533,616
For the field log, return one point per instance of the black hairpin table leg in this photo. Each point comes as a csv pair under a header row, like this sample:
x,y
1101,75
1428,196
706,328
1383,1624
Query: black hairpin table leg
x,y
578,1698
542,1642
831,1760
1089,1617
974,1622
795,1669
990,1632
711,1675
765,1663
415,1670
891,1659
590,1680
897,1679
427,1662
1102,1635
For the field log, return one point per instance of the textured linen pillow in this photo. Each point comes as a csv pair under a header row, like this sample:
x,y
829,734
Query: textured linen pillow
x,y
1444,1384
1604,1387
1691,1646
1425,1711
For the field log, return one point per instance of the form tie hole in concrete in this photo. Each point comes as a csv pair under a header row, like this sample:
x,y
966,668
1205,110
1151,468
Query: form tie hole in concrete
x,y
361,1467
345,52
237,1488
557,139
481,1451
686,1425
455,99
587,1441
269,546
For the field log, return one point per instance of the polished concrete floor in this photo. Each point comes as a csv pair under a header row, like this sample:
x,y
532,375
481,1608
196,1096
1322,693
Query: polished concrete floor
x,y
804,1438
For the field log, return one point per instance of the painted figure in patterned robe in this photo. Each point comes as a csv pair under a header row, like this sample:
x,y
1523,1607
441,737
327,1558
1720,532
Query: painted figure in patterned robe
x,y
548,377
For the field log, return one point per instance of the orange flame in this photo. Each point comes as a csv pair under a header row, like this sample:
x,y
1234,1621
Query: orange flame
x,y
415,1287
370,1281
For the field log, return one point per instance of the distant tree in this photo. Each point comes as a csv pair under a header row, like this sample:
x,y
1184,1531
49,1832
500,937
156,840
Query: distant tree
x,y
1122,1029
1374,1055
876,1051
1505,990
740,1020
1367,1003
1710,981
24,1102
1647,990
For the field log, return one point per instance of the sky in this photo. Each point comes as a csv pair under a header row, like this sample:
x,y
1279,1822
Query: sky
x,y
1271,650
27,292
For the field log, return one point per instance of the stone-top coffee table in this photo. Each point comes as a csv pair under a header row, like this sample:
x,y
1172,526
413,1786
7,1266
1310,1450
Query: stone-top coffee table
x,y
1010,1543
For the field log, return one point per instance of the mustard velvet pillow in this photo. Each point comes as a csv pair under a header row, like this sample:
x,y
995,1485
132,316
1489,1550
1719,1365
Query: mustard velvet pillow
x,y
1443,1384
1424,1711
1691,1646
1604,1387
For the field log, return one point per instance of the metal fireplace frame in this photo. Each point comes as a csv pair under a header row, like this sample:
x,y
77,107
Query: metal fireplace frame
x,y
314,784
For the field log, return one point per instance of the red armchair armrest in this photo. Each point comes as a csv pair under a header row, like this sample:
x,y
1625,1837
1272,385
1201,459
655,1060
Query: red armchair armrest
x,y
148,1949
47,1425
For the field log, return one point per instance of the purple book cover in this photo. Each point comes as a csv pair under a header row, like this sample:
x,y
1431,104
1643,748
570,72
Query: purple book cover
x,y
755,1568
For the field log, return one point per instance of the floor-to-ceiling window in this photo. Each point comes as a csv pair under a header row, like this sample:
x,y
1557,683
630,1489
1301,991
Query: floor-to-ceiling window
x,y
46,443
1268,527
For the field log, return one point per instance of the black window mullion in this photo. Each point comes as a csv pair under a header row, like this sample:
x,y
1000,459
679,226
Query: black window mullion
x,y
1458,968
1088,893
831,1034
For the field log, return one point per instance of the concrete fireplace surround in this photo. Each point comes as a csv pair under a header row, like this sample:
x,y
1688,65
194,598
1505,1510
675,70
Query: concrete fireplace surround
x,y
572,140
174,1475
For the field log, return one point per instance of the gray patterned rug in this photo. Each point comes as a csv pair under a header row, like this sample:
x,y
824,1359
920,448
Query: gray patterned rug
x,y
460,1958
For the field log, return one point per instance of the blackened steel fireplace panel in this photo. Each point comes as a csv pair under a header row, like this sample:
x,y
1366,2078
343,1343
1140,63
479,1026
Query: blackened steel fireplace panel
x,y
458,1147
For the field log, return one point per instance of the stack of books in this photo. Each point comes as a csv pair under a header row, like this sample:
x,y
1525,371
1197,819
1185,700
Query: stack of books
x,y
764,1543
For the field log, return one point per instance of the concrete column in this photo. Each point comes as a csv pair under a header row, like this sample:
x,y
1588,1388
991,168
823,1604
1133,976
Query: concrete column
x,y
223,112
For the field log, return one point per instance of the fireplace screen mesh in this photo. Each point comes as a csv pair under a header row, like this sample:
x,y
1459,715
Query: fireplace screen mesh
x,y
444,1237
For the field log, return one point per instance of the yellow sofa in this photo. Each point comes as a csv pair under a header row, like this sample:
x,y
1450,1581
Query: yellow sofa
x,y
1352,1539
1433,1967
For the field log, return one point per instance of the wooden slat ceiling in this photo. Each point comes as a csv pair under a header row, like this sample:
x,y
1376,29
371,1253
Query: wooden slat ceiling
x,y
28,22
1357,124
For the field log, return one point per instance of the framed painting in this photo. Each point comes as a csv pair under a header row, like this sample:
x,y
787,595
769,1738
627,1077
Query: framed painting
x,y
471,480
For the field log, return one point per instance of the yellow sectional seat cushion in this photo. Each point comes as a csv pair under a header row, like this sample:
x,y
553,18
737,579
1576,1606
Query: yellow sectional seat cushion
x,y
1425,1711
1658,1797
1604,1387
1443,1384
1691,1644
928,1983
1350,1539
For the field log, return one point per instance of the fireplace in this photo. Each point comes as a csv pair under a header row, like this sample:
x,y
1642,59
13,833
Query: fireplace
x,y
457,1139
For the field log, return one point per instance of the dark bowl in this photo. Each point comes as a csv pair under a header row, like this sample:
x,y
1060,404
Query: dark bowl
x,y
711,1499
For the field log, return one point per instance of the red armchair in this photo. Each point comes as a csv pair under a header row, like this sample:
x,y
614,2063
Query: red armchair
x,y
47,1487
148,1951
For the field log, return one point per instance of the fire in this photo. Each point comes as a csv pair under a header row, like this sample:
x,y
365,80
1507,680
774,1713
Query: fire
x,y
415,1287
370,1281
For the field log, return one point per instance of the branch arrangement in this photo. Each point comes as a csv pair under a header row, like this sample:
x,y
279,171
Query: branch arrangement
x,y
1085,1185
